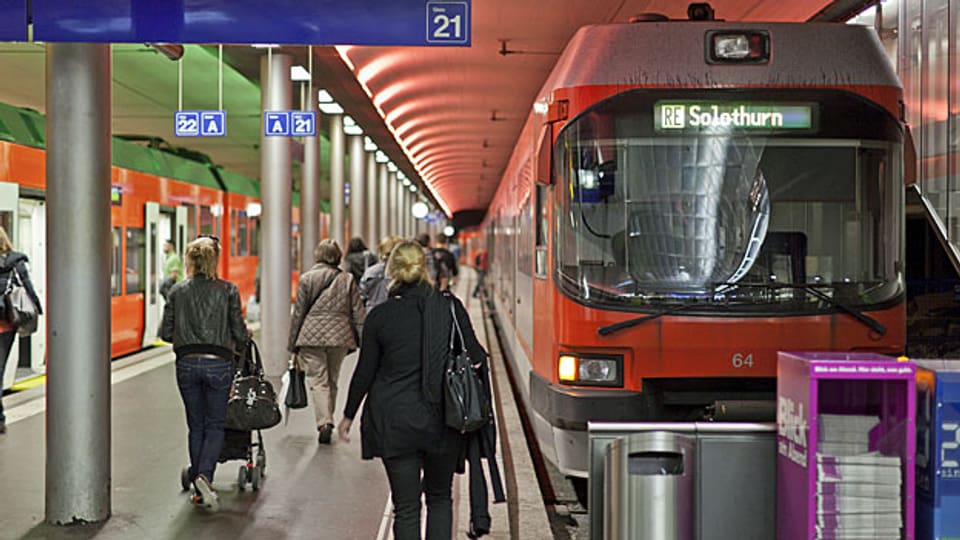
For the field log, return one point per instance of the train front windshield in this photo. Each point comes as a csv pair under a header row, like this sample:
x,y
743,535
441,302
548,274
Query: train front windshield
x,y
727,216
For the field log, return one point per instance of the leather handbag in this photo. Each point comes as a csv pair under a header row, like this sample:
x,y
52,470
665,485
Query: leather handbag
x,y
19,308
466,401
253,402
296,397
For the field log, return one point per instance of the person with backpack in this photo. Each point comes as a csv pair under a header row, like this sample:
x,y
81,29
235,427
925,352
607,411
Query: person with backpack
x,y
358,258
444,265
374,282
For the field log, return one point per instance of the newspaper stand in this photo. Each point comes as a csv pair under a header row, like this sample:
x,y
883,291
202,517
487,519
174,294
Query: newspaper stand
x,y
938,449
818,383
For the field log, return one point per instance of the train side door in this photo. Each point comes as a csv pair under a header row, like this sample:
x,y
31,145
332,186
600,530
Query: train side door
x,y
180,232
31,239
9,209
152,302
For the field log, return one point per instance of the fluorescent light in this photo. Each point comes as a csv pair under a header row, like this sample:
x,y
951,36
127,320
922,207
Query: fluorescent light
x,y
413,188
391,166
265,45
331,108
419,210
299,74
323,96
402,176
353,130
254,209
381,157
369,145
403,180
448,231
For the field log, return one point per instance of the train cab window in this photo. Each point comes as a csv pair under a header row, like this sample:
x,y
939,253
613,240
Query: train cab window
x,y
115,272
136,265
541,224
728,219
243,248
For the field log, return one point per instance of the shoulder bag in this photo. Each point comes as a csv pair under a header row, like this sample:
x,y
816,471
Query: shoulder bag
x,y
18,306
296,396
466,402
252,403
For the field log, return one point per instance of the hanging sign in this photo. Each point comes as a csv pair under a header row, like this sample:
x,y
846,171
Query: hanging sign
x,y
200,123
290,123
295,22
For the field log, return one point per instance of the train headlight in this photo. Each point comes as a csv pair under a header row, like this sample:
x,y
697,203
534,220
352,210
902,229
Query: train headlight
x,y
746,47
590,369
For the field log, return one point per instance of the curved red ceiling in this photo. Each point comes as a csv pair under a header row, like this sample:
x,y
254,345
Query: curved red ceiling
x,y
439,101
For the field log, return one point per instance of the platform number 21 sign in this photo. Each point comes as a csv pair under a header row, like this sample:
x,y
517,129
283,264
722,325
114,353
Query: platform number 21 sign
x,y
448,22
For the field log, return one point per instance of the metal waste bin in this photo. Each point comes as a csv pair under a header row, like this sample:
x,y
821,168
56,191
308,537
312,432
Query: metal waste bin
x,y
648,487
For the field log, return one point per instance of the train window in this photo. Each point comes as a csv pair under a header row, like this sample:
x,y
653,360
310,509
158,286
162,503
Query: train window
x,y
540,269
191,221
115,273
255,236
243,247
727,220
233,233
294,245
136,260
207,225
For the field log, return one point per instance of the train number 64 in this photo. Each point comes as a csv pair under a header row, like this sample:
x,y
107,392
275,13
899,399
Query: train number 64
x,y
740,360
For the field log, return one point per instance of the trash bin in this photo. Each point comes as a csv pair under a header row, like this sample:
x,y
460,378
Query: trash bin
x,y
648,487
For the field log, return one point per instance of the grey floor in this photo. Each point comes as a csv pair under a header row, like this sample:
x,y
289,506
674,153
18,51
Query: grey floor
x,y
311,491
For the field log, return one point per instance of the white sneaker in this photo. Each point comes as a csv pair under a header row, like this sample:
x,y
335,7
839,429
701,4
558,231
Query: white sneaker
x,y
208,496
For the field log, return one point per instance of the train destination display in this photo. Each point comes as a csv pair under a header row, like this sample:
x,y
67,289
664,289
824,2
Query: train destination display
x,y
685,115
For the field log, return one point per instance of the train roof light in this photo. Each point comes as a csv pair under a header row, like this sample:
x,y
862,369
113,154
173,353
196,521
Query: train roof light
x,y
738,47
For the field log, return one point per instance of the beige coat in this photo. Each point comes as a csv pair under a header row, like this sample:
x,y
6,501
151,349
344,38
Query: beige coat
x,y
335,319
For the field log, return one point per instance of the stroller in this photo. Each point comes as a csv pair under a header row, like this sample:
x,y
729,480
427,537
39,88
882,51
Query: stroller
x,y
239,445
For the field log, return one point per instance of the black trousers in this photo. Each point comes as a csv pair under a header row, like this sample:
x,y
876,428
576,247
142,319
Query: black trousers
x,y
6,343
406,485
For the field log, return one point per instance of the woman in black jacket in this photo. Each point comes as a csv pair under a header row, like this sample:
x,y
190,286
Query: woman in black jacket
x,y
400,372
202,319
13,267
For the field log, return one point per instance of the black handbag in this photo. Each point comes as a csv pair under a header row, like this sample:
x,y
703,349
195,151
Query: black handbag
x,y
252,403
296,397
19,308
466,404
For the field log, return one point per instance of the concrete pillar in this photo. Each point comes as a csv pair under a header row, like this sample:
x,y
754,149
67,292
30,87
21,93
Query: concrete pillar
x,y
358,189
78,305
310,193
371,210
275,190
383,200
337,214
394,204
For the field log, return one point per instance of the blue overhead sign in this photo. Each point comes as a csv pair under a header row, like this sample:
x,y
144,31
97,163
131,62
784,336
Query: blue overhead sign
x,y
303,123
13,20
318,22
200,123
276,123
290,123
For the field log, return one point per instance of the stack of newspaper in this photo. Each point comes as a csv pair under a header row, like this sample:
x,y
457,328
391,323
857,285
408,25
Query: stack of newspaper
x,y
858,491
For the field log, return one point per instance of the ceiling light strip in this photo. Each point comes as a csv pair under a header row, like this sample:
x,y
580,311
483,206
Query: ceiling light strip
x,y
342,52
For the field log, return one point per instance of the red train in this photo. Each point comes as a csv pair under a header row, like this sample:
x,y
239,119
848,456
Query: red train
x,y
158,193
686,199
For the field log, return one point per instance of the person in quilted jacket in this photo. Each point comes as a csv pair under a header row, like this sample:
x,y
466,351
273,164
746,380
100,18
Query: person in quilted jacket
x,y
327,320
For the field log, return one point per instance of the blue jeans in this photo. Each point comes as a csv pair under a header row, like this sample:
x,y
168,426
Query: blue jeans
x,y
205,387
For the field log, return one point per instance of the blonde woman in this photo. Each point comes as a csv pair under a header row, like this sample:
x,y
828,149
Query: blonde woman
x,y
327,318
13,265
203,320
401,377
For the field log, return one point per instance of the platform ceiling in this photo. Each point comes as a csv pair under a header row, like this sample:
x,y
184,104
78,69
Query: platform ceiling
x,y
448,115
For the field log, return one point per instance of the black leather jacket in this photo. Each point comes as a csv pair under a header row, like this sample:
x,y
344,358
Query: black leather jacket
x,y
203,316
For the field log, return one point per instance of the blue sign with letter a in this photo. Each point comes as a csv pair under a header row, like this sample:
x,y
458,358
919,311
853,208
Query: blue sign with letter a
x,y
186,123
213,123
303,123
276,123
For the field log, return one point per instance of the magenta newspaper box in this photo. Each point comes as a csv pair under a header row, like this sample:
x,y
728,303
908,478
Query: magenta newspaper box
x,y
845,446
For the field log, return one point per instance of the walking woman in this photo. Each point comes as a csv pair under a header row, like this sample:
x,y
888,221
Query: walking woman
x,y
13,266
203,320
327,318
374,283
400,372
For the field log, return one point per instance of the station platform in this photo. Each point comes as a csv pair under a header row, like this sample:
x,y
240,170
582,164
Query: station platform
x,y
310,490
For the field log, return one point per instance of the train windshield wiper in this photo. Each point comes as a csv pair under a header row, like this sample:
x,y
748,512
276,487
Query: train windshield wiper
x,y
814,290
609,329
